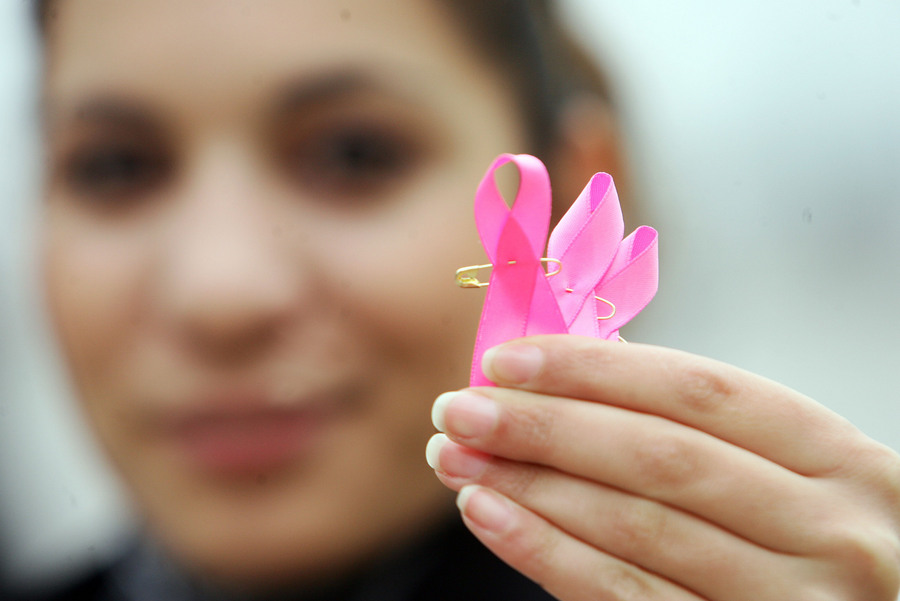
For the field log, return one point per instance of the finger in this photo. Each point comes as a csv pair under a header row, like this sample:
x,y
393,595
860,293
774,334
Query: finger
x,y
741,408
660,539
566,567
647,456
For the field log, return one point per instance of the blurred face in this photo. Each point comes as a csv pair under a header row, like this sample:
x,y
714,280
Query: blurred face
x,y
255,210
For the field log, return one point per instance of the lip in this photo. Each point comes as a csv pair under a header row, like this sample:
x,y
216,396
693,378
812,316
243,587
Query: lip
x,y
247,435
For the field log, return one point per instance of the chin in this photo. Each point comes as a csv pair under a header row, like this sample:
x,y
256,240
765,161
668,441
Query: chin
x,y
258,551
269,533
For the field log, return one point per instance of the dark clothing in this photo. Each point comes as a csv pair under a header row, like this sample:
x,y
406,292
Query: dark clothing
x,y
447,565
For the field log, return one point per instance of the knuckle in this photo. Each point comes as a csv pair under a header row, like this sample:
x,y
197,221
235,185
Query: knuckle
x,y
534,552
869,560
821,591
585,357
514,480
639,529
666,462
888,474
543,555
534,424
877,467
704,390
621,583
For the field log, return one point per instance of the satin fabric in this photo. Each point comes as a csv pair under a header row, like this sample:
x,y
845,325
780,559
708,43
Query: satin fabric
x,y
603,280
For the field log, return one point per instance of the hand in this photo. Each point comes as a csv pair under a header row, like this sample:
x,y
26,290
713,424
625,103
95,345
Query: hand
x,y
609,471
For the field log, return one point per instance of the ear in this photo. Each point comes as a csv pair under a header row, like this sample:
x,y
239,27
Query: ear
x,y
588,141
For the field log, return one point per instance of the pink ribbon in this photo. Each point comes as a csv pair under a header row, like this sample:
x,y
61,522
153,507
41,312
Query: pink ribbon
x,y
594,261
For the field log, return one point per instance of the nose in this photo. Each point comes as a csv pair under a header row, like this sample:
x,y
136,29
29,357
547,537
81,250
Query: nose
x,y
226,286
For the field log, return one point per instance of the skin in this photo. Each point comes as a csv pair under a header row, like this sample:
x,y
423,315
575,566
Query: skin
x,y
623,471
235,266
209,245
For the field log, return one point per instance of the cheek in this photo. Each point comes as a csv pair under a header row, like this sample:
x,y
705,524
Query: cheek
x,y
401,278
92,286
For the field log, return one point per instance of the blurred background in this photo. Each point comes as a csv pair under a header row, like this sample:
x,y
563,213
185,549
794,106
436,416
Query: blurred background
x,y
765,144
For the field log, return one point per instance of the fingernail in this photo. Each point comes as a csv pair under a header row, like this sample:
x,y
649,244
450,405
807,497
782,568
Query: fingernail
x,y
465,414
453,459
484,507
433,450
512,363
438,409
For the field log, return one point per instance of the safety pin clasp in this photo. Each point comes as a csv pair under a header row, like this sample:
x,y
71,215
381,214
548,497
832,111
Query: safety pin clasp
x,y
467,277
556,262
611,306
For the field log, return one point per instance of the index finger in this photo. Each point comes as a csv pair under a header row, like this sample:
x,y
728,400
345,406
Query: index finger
x,y
741,408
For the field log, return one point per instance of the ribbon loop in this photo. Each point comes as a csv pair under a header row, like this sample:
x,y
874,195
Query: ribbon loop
x,y
531,208
519,301
586,241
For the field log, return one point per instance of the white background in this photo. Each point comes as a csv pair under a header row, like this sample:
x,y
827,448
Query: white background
x,y
765,137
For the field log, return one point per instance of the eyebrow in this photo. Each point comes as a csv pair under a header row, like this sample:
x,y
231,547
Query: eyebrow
x,y
328,87
303,92
109,110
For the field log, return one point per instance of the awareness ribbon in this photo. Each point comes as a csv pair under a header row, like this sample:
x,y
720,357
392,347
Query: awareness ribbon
x,y
601,281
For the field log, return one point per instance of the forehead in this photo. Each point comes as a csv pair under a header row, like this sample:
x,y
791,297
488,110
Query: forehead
x,y
238,48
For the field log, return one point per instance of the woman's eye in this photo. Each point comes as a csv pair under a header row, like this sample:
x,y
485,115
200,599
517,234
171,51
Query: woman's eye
x,y
352,163
115,173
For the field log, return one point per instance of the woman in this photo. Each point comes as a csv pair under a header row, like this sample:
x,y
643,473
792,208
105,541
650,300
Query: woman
x,y
252,213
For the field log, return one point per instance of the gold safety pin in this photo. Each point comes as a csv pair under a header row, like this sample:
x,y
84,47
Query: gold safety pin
x,y
611,315
611,306
467,277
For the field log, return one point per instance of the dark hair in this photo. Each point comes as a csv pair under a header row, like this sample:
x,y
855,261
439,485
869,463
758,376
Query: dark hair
x,y
527,41
544,63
